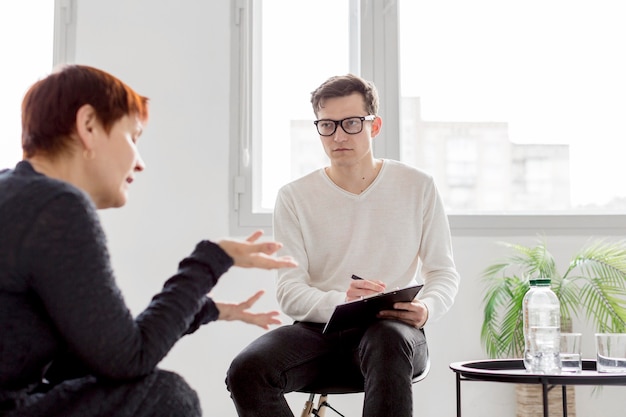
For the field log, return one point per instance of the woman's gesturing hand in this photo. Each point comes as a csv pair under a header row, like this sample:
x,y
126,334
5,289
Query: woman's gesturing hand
x,y
249,254
239,311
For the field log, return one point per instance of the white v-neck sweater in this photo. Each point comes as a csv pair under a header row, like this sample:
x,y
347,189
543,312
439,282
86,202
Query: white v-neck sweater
x,y
395,231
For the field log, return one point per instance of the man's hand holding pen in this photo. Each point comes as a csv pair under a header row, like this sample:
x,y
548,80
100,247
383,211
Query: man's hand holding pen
x,y
361,288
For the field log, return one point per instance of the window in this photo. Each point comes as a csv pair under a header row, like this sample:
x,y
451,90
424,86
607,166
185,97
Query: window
x,y
35,35
541,90
515,108
273,140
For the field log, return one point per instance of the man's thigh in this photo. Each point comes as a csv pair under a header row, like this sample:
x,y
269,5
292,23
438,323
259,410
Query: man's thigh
x,y
295,355
387,338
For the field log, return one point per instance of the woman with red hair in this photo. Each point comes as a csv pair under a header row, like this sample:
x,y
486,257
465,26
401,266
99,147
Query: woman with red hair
x,y
69,345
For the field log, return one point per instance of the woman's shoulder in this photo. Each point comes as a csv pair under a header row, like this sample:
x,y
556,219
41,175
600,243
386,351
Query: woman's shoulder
x,y
24,187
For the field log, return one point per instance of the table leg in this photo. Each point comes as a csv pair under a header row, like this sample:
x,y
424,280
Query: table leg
x,y
544,385
458,395
564,400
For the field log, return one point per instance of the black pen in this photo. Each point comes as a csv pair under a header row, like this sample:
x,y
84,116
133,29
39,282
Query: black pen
x,y
356,277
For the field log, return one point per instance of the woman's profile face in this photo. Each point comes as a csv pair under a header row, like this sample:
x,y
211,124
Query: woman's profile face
x,y
116,161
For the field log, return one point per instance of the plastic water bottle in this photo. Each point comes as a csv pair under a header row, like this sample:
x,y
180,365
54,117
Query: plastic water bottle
x,y
542,328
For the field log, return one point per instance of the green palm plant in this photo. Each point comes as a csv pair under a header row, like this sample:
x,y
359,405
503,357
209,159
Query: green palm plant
x,y
594,285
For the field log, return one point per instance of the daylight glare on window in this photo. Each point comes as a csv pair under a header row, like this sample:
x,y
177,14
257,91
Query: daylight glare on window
x,y
26,37
313,43
516,106
513,107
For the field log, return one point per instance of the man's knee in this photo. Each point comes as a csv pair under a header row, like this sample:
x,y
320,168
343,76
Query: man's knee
x,y
244,367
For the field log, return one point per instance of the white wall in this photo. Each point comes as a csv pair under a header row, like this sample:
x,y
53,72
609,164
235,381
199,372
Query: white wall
x,y
177,53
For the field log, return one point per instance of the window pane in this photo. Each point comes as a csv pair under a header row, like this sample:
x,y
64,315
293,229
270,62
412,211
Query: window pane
x,y
26,40
516,106
298,53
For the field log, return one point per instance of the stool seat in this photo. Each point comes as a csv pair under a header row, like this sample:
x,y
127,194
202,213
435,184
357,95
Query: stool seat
x,y
341,384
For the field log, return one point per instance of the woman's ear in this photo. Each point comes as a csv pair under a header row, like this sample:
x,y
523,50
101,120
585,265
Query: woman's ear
x,y
86,122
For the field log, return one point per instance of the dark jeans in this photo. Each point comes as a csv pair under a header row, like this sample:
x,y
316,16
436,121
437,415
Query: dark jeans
x,y
387,354
160,394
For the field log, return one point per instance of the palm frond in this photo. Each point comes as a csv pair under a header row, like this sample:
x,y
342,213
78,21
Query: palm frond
x,y
502,331
532,261
593,286
605,306
601,268
568,294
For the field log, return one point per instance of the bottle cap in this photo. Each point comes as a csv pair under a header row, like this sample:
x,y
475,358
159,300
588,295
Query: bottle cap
x,y
540,281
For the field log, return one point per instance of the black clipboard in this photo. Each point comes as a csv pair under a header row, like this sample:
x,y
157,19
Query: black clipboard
x,y
360,313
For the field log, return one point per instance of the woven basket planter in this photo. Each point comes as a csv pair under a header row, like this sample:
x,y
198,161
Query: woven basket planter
x,y
530,401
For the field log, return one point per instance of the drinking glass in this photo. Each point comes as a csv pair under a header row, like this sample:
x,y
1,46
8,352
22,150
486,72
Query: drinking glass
x,y
571,352
611,350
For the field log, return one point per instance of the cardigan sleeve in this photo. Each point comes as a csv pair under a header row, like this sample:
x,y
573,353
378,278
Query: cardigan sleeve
x,y
68,267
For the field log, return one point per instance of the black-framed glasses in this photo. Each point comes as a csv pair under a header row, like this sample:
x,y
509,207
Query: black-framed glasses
x,y
350,125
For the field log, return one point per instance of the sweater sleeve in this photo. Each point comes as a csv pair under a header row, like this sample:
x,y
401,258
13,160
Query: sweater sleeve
x,y
296,296
69,269
441,279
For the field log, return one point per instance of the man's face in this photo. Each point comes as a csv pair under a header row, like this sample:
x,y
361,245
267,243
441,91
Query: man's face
x,y
342,148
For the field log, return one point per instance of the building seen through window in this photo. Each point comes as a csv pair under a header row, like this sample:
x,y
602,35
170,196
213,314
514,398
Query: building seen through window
x,y
475,164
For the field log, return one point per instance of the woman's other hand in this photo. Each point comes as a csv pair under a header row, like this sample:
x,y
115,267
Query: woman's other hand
x,y
249,254
233,311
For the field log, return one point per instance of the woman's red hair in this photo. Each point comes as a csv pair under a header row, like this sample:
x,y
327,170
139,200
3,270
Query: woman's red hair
x,y
49,107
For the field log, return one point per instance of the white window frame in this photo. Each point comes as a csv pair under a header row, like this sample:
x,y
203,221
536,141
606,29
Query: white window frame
x,y
57,38
378,55
64,48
